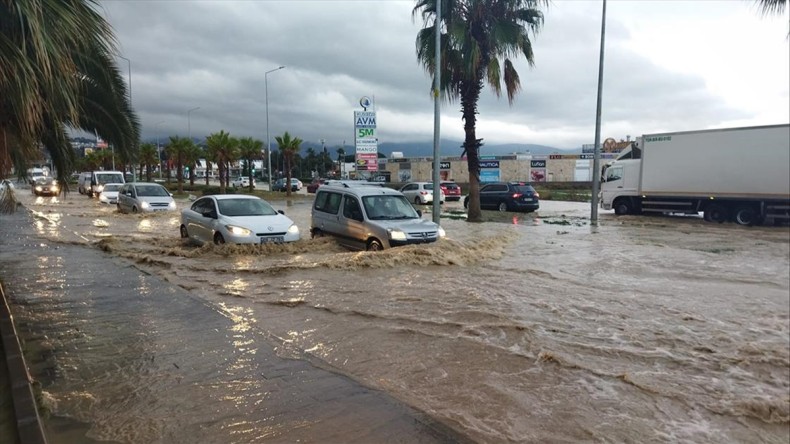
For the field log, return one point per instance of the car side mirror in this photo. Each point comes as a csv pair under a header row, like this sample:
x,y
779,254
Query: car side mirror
x,y
171,194
281,212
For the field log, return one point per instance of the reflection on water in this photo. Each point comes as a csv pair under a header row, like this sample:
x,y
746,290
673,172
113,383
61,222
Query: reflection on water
x,y
640,329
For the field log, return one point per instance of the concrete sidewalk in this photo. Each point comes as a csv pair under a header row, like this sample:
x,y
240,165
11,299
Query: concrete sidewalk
x,y
164,366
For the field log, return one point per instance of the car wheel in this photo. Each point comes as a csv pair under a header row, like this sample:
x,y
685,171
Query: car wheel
x,y
417,201
119,208
375,245
184,233
502,206
134,209
316,233
218,239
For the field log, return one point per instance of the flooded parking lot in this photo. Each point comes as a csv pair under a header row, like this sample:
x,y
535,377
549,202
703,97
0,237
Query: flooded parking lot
x,y
525,328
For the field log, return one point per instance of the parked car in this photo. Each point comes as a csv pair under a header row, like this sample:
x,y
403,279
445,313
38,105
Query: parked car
x,y
45,186
242,182
296,185
421,193
135,197
451,190
236,218
109,194
313,186
508,196
369,218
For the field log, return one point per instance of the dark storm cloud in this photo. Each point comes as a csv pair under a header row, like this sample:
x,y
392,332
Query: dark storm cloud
x,y
213,55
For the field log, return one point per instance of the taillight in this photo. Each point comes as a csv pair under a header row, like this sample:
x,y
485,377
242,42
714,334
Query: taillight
x,y
516,195
423,193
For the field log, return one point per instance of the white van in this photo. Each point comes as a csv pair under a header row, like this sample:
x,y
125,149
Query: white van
x,y
92,182
369,218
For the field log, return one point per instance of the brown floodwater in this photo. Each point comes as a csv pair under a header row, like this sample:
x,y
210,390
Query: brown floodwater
x,y
524,328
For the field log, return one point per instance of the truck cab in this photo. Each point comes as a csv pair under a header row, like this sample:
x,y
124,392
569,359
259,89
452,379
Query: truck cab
x,y
620,182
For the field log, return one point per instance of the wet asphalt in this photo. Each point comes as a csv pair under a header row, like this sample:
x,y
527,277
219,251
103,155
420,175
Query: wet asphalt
x,y
94,303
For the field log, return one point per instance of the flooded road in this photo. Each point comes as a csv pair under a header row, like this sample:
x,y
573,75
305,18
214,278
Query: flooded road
x,y
526,328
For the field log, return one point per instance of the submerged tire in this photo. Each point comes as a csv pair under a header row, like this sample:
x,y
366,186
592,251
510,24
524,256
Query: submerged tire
x,y
184,233
746,215
622,207
218,239
375,245
716,213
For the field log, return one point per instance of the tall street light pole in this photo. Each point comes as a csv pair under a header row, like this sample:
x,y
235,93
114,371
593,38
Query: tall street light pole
x,y
189,122
597,156
437,83
158,147
268,140
134,146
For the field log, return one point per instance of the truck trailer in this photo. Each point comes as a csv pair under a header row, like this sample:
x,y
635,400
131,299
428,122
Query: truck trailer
x,y
732,174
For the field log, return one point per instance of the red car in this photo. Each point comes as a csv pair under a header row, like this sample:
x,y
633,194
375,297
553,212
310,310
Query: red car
x,y
451,190
312,186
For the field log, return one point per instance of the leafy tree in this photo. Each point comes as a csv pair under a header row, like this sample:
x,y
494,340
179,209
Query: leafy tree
x,y
772,6
58,70
149,156
289,146
476,34
221,148
249,150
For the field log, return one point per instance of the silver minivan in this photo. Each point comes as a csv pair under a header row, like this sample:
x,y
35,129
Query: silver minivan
x,y
369,218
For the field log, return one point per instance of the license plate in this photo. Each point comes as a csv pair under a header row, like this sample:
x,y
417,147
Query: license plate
x,y
269,240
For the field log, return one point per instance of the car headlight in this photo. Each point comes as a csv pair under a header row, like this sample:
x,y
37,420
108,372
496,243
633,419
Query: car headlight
x,y
441,232
38,188
102,198
54,188
171,205
238,231
397,234
293,229
100,188
145,205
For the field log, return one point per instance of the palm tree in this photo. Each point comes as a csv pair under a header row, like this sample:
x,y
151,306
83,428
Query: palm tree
x,y
177,150
249,150
59,71
149,156
192,154
220,148
772,6
289,146
476,34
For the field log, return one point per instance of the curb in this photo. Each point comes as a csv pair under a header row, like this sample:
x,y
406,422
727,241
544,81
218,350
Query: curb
x,y
28,421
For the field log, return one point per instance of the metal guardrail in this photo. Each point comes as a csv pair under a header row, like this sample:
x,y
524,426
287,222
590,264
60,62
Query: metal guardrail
x,y
28,421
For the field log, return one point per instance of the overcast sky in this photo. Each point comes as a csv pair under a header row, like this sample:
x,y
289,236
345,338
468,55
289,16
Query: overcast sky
x,y
669,66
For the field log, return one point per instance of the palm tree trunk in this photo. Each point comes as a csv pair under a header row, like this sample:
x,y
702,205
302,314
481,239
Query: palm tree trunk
x,y
469,99
288,176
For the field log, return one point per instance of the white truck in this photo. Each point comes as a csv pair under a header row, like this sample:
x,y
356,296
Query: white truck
x,y
732,174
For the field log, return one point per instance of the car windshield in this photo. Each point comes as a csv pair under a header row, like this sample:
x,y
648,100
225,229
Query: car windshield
x,y
388,207
152,191
245,207
112,187
103,178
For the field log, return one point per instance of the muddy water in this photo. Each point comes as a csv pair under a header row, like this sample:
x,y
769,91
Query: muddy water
x,y
526,328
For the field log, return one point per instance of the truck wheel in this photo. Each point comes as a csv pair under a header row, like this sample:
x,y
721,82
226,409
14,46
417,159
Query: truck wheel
x,y
622,207
716,213
746,215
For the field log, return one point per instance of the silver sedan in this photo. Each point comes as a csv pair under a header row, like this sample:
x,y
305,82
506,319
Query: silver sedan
x,y
236,218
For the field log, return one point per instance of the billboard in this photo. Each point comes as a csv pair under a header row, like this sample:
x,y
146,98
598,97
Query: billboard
x,y
365,141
